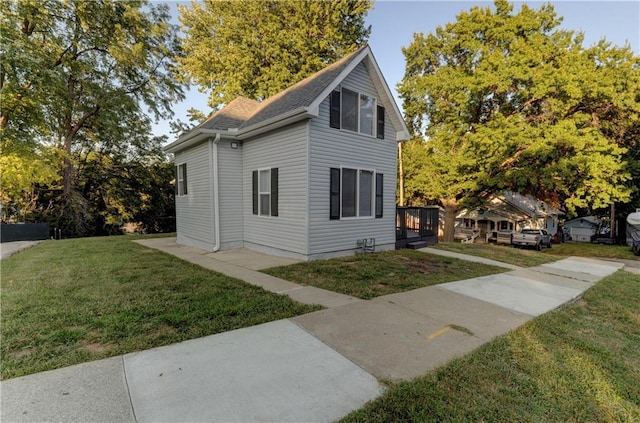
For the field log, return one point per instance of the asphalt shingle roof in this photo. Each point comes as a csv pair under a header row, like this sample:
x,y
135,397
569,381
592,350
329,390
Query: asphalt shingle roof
x,y
243,112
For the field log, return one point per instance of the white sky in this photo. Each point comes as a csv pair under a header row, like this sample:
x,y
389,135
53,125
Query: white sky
x,y
393,24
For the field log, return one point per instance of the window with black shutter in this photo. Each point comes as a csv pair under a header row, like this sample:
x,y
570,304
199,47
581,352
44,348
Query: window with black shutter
x,y
181,179
334,110
334,195
380,123
379,188
264,192
356,112
355,193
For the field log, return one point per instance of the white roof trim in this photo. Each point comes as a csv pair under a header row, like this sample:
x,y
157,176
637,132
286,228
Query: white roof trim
x,y
381,83
198,134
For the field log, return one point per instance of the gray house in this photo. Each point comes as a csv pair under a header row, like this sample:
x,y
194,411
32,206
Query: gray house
x,y
308,173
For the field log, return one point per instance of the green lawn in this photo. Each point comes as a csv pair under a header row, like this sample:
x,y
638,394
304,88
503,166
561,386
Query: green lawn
x,y
500,252
530,257
371,275
72,301
580,363
585,249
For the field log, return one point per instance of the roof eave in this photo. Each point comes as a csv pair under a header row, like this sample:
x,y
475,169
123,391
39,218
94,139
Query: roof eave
x,y
276,122
193,137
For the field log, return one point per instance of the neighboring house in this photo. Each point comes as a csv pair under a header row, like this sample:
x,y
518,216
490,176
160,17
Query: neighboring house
x,y
501,215
308,173
581,229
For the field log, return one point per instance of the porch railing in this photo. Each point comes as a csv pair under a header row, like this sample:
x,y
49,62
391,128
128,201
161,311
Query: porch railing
x,y
417,222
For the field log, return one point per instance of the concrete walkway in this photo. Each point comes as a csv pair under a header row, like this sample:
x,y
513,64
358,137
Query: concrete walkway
x,y
467,257
317,367
7,249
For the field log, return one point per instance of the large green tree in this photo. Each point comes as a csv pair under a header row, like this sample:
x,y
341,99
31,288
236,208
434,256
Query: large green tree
x,y
257,48
79,76
508,101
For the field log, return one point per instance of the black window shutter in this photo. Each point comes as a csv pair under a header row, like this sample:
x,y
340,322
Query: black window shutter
x,y
274,191
334,110
380,130
379,185
255,191
176,183
184,177
334,194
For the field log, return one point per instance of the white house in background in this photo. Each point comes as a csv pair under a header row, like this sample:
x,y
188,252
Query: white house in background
x,y
501,215
308,173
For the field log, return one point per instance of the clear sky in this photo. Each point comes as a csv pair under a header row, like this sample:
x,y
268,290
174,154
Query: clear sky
x,y
393,24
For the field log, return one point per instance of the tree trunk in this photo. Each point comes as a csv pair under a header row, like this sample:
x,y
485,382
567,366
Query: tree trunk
x,y
67,167
451,209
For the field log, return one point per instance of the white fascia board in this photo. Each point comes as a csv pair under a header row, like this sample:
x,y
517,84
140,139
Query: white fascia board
x,y
275,122
402,136
345,72
192,138
380,83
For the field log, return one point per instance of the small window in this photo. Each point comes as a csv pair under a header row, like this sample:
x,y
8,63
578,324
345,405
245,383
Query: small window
x,y
265,192
181,179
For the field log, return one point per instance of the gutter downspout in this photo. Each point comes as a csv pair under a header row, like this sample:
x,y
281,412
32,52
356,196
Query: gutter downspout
x,y
215,198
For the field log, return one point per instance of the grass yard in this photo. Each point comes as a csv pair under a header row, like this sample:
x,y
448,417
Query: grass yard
x,y
531,257
503,253
576,364
371,275
585,249
72,301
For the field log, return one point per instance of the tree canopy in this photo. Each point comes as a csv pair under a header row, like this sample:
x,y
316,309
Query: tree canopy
x,y
256,49
508,101
80,79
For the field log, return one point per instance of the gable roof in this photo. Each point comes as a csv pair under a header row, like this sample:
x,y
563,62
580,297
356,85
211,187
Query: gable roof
x,y
243,117
511,205
233,115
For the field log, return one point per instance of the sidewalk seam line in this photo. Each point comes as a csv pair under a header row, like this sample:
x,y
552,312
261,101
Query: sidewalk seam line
x,y
126,383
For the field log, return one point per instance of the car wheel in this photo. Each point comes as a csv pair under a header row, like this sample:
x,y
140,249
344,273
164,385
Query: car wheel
x,y
539,246
549,245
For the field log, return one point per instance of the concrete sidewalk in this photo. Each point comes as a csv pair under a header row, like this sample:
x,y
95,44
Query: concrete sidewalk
x,y
7,249
317,367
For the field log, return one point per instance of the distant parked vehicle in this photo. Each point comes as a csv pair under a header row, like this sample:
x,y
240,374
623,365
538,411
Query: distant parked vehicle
x,y
633,229
536,238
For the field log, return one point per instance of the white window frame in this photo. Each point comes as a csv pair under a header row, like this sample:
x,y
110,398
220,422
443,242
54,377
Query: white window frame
x,y
261,193
357,204
374,121
180,180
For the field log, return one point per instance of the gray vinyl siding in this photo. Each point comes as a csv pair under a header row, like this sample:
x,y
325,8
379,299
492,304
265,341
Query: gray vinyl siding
x,y
331,147
194,216
230,196
285,149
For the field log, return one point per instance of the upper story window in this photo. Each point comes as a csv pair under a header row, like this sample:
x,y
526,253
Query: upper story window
x,y
356,112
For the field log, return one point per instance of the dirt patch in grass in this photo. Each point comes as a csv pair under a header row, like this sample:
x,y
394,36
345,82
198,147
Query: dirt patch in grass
x,y
96,348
